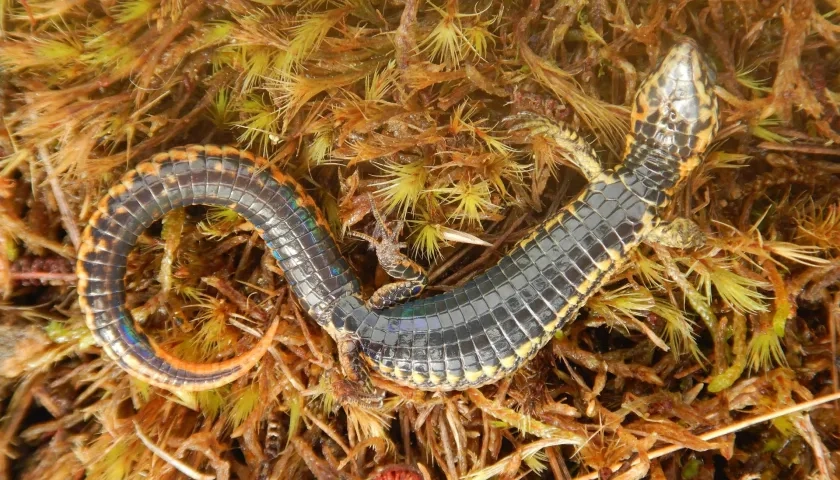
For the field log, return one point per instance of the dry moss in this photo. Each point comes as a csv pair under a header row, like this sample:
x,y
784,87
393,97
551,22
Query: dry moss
x,y
405,100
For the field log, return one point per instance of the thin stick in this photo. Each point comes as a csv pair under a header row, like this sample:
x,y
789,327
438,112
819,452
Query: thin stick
x,y
735,427
44,276
833,318
441,269
482,259
58,193
177,464
18,407
810,149
327,429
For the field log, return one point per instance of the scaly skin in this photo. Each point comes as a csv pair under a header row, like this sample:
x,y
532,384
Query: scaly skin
x,y
467,337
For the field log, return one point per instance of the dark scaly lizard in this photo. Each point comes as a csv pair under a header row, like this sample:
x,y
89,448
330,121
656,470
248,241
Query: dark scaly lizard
x,y
473,335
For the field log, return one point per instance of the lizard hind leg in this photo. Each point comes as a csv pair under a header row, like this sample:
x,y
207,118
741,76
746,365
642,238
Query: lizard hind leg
x,y
354,386
411,277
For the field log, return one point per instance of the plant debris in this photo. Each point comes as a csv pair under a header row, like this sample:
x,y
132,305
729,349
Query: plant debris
x,y
718,362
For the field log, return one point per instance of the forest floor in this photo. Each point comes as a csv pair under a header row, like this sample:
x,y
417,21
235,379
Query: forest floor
x,y
716,362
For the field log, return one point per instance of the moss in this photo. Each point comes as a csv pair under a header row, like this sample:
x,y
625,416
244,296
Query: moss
x,y
409,101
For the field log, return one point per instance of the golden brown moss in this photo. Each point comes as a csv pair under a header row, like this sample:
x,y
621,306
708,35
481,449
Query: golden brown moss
x,y
404,100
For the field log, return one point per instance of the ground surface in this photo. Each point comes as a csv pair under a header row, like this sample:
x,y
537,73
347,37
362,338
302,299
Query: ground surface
x,y
404,100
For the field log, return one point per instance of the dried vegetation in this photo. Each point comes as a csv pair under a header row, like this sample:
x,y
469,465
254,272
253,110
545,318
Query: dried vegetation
x,y
406,99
